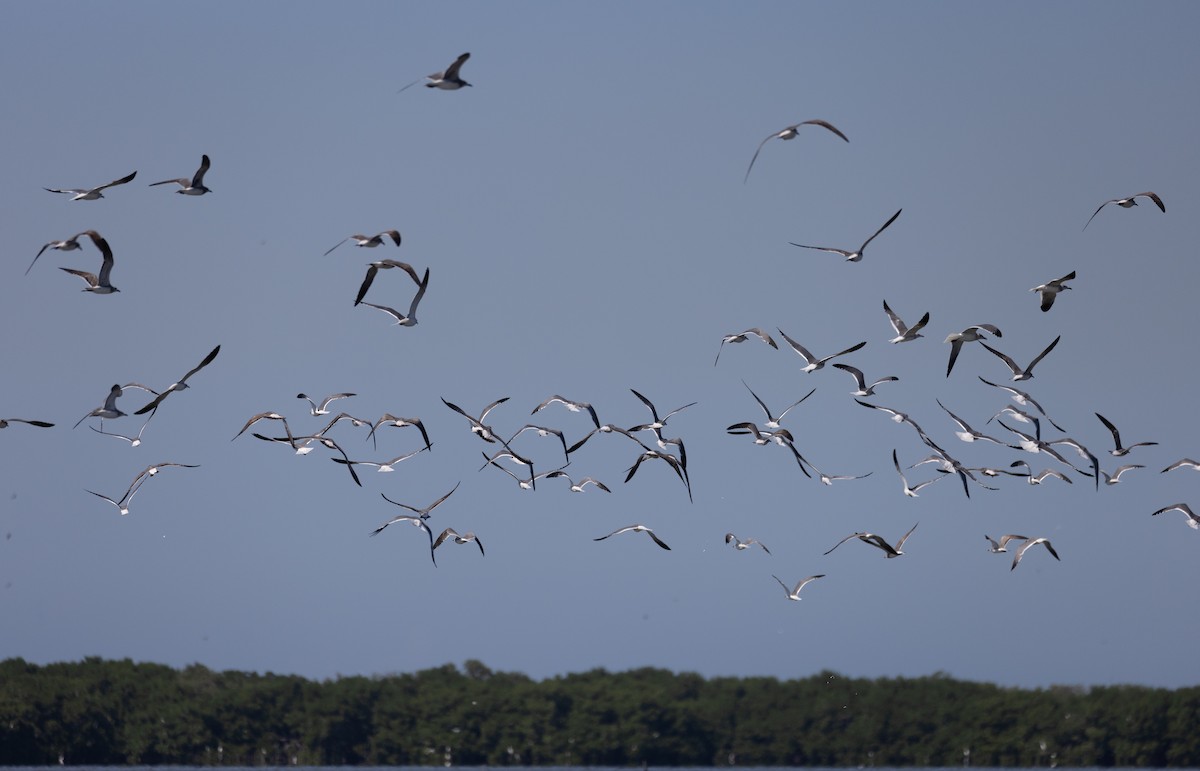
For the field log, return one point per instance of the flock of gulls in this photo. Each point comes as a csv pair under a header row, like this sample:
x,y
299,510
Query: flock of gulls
x,y
540,455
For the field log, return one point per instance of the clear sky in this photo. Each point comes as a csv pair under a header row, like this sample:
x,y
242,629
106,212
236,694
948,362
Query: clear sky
x,y
582,212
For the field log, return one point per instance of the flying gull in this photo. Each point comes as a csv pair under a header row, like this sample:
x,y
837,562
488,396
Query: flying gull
x,y
1017,372
369,242
1050,290
447,80
573,406
794,592
971,334
182,384
460,539
998,547
1119,450
736,337
812,363
193,186
1031,543
323,407
1192,520
904,333
1126,203
878,542
790,133
404,319
741,545
374,268
854,256
91,194
861,380
97,284
636,529
425,512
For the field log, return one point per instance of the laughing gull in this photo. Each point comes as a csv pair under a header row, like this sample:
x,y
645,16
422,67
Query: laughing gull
x,y
447,80
794,592
323,407
669,459
122,503
182,384
543,431
636,529
381,467
829,479
577,487
570,405
108,410
607,428
741,545
966,433
1020,397
484,432
909,490
904,333
69,245
102,283
812,363
1115,477
657,422
1017,372
1084,453
264,416
134,441
374,268
878,542
1031,543
1022,416
425,512
459,539
415,522
861,380
1193,521
92,193
404,319
389,419
735,337
971,334
772,421
1126,203
790,133
1182,463
303,445
1037,479
193,186
1001,546
1050,290
1119,451
39,423
369,242
854,256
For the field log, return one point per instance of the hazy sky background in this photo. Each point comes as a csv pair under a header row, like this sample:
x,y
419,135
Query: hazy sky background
x,y
582,213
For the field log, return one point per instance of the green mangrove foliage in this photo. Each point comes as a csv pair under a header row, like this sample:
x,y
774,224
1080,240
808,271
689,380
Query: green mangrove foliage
x,y
99,712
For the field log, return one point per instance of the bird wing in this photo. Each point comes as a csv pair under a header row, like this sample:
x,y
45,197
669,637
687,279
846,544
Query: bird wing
x,y
452,70
877,232
830,126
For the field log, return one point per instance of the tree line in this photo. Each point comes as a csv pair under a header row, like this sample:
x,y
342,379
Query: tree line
x,y
103,712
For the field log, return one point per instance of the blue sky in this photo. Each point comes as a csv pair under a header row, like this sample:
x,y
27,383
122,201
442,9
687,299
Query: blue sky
x,y
582,214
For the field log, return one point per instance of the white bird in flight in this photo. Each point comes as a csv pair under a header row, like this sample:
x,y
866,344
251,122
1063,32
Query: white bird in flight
x,y
101,284
790,133
857,255
193,186
878,542
91,194
446,80
1030,544
1017,372
736,337
812,363
794,592
904,333
1050,290
181,385
971,334
370,242
1126,203
1193,521
636,529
